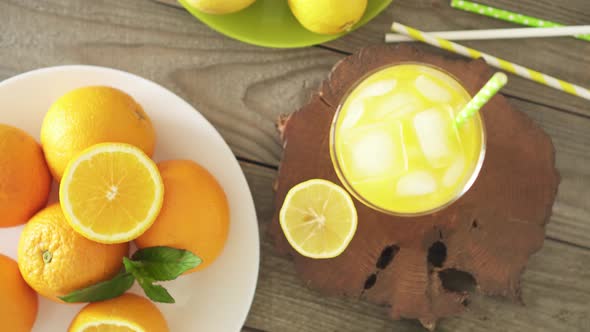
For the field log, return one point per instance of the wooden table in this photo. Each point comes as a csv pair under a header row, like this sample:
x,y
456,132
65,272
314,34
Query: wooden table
x,y
242,90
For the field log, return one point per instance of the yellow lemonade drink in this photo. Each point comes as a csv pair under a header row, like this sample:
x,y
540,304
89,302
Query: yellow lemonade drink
x,y
395,145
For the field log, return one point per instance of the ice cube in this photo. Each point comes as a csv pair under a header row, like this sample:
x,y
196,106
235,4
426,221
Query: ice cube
x,y
416,183
375,151
397,105
454,172
437,137
432,90
353,113
377,89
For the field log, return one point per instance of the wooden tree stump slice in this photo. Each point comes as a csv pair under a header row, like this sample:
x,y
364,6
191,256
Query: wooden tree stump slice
x,y
420,267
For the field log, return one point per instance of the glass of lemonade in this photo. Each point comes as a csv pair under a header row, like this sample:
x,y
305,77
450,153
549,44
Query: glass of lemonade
x,y
394,143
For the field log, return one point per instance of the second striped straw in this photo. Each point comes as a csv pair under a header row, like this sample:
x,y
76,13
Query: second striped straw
x,y
508,16
513,68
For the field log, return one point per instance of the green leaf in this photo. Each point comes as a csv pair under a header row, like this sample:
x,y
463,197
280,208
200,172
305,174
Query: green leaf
x,y
156,293
130,266
164,263
102,291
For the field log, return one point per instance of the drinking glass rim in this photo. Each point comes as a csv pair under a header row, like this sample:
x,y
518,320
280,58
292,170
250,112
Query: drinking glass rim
x,y
350,188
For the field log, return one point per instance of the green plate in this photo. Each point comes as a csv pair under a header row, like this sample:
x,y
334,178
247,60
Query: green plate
x,y
270,23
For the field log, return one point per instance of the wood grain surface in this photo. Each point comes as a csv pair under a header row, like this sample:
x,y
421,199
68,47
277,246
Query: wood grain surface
x,y
241,89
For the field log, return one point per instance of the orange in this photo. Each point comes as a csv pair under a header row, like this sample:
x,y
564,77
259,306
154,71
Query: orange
x,y
194,215
55,260
91,115
25,180
111,193
127,313
18,303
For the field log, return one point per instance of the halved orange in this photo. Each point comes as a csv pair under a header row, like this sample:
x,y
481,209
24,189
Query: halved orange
x,y
111,193
127,313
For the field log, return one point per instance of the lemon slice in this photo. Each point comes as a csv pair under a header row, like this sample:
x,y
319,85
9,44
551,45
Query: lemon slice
x,y
318,218
111,193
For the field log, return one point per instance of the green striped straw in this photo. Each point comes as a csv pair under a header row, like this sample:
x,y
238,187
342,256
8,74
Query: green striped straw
x,y
482,97
508,16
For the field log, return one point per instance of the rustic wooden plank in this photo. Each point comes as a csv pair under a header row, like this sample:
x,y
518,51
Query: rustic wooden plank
x,y
566,58
556,291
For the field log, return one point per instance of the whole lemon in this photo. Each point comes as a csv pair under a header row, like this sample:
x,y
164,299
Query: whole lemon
x,y
194,215
328,16
18,303
25,180
91,115
55,260
220,7
129,312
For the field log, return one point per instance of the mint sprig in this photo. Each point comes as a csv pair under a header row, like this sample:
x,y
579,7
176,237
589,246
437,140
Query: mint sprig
x,y
147,266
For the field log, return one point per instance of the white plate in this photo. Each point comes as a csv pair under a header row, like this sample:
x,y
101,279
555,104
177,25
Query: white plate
x,y
215,300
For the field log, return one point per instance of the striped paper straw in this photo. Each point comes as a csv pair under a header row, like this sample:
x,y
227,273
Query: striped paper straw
x,y
482,97
493,61
507,16
511,33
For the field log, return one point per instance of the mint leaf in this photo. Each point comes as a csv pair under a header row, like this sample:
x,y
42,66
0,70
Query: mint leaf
x,y
164,263
102,291
130,266
156,293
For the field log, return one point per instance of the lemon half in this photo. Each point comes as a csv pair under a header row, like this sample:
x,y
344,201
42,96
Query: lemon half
x,y
318,218
111,193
